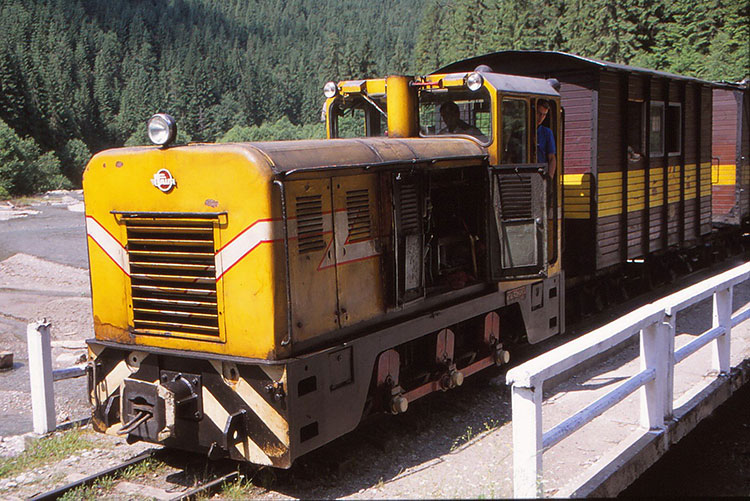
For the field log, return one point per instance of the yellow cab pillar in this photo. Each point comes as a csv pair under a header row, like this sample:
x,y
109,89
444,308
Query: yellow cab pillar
x,y
401,100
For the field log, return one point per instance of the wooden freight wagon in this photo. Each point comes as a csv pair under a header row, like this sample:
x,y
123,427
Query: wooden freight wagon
x,y
730,162
637,156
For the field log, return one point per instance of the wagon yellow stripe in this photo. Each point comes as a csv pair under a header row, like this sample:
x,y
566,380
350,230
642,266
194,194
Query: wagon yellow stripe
x,y
673,183
723,174
609,189
576,189
705,179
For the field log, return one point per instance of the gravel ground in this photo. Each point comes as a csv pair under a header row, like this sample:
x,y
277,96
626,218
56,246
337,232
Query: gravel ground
x,y
34,288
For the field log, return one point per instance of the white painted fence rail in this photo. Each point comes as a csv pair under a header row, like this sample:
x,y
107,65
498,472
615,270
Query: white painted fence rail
x,y
42,376
656,325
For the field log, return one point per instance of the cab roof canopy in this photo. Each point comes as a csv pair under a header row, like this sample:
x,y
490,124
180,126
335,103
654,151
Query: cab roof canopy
x,y
519,84
560,65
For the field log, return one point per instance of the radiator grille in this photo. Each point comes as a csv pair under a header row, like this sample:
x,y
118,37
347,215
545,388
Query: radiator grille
x,y
358,215
515,197
173,276
310,224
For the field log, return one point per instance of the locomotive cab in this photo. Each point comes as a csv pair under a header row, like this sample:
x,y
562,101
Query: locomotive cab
x,y
498,112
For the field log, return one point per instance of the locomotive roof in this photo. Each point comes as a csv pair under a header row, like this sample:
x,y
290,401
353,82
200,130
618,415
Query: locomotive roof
x,y
514,83
551,62
287,157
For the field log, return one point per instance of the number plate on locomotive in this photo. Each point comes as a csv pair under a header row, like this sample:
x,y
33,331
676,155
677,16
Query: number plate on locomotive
x,y
514,295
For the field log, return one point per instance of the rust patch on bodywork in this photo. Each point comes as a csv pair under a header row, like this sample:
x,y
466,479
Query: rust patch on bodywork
x,y
112,333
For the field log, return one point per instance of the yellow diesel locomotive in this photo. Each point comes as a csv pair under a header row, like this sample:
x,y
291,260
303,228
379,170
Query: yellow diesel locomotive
x,y
255,301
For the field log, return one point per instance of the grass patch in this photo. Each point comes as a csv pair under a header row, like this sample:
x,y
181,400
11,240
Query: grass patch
x,y
89,492
138,470
470,434
239,489
46,450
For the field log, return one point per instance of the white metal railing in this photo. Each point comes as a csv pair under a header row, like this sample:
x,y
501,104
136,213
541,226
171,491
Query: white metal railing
x,y
42,376
656,324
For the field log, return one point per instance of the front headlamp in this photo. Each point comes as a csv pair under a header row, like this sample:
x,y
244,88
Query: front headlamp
x,y
474,81
162,129
330,89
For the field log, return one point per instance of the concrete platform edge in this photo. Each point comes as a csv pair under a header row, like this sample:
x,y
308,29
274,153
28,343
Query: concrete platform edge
x,y
618,468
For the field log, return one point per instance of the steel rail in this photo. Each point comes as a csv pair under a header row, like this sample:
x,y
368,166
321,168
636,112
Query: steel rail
x,y
56,493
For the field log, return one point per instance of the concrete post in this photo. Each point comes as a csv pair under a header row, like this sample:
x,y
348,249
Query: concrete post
x,y
722,316
654,355
527,442
40,376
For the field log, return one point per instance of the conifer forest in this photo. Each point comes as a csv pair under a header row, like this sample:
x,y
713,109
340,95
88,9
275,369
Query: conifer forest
x,y
78,76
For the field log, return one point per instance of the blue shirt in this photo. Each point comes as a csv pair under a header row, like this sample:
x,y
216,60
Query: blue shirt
x,y
545,144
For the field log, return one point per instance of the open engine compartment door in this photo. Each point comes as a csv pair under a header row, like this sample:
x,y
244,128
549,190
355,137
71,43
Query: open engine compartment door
x,y
519,214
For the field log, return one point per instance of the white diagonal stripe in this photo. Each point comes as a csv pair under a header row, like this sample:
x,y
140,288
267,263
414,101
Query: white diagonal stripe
x,y
213,410
108,244
259,232
270,416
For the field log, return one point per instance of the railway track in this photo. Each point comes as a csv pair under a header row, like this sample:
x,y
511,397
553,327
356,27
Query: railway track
x,y
223,473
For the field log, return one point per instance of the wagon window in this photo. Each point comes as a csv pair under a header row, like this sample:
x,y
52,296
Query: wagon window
x,y
674,128
635,131
515,123
656,131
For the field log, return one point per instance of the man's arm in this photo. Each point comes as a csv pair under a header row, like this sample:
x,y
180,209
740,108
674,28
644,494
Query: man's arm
x,y
551,165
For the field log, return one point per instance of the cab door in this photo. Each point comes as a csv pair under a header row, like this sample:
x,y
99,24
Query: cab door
x,y
518,191
311,248
518,221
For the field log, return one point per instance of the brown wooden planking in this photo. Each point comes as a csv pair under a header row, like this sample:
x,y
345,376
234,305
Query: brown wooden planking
x,y
577,102
635,88
609,158
724,132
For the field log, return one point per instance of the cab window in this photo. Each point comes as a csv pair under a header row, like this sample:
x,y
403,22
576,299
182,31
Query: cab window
x,y
444,112
515,123
357,117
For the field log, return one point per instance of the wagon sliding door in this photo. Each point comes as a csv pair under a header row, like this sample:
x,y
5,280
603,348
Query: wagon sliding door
x,y
519,206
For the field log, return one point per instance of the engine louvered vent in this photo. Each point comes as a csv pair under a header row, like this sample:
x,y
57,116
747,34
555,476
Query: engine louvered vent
x,y
310,224
409,208
515,197
173,276
358,215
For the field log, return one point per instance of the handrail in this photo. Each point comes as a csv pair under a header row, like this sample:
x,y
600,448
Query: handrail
x,y
656,325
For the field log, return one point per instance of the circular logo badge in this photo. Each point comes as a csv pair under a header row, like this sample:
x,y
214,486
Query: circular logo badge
x,y
164,180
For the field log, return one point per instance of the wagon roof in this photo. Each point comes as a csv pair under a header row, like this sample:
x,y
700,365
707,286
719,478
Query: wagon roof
x,y
551,62
287,157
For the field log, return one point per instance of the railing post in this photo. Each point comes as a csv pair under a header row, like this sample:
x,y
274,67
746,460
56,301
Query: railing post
x,y
722,316
527,441
671,330
654,344
40,377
